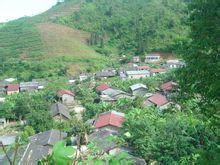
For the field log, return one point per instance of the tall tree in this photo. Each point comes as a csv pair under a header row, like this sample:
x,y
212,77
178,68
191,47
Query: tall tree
x,y
202,72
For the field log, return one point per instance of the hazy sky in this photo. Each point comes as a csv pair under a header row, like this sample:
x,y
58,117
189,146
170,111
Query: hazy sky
x,y
13,9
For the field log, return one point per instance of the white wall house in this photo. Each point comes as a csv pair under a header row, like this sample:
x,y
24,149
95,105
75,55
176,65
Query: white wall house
x,y
137,74
152,58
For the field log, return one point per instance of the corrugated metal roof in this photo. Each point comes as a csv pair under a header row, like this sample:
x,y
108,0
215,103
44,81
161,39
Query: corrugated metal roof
x,y
137,72
137,86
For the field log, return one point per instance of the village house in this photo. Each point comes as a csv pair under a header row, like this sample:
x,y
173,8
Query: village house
x,y
66,96
137,74
168,86
8,139
2,89
12,89
106,74
174,64
2,123
155,72
28,87
115,94
83,77
107,98
104,145
102,87
60,112
40,146
123,76
100,139
158,101
41,83
143,67
138,89
122,71
136,59
111,120
152,58
71,81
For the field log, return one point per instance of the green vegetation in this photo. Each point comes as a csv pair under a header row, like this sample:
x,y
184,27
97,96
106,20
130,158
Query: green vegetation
x,y
172,136
34,47
201,53
19,37
177,138
133,27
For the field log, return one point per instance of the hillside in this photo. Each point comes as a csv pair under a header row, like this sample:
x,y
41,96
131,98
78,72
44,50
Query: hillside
x,y
109,27
133,27
27,41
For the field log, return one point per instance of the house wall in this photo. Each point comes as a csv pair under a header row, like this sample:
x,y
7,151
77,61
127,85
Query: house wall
x,y
67,99
12,92
152,58
138,76
59,118
109,127
154,74
136,59
121,96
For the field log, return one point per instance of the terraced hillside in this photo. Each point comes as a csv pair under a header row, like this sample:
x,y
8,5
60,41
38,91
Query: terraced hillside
x,y
60,40
34,47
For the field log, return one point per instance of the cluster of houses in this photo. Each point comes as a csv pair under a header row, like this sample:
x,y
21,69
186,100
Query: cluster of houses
x,y
138,69
156,58
135,69
160,99
12,88
107,124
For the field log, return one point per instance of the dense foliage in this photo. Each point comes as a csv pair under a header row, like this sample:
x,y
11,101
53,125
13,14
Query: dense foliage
x,y
132,26
201,53
169,138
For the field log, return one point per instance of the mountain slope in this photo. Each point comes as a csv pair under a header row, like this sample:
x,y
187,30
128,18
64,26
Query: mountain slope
x,y
49,44
134,27
25,42
60,40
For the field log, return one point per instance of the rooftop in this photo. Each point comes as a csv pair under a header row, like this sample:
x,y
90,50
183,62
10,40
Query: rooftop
x,y
158,99
144,67
111,118
64,91
13,87
168,86
102,87
158,70
137,86
59,108
136,72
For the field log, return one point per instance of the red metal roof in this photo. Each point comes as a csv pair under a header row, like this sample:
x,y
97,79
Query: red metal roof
x,y
102,87
143,67
64,91
110,119
158,70
168,86
13,87
130,64
158,99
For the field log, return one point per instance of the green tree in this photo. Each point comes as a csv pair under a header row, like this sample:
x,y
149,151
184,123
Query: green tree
x,y
40,120
202,72
168,138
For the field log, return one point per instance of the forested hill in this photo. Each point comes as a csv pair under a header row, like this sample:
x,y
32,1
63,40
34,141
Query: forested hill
x,y
132,26
77,33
